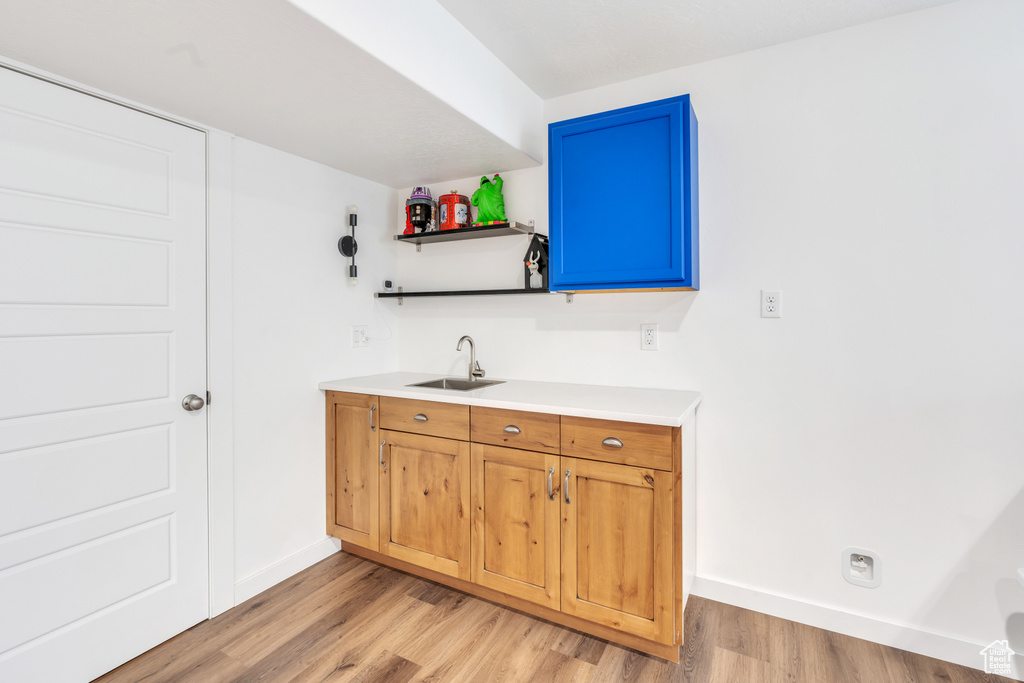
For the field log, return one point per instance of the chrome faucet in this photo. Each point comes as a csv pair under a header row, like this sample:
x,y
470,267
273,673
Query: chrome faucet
x,y
474,367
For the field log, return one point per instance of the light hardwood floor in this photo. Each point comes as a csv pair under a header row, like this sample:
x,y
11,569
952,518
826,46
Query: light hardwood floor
x,y
348,619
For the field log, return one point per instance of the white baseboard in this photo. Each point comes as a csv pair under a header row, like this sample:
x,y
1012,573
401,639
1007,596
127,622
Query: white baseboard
x,y
901,636
289,566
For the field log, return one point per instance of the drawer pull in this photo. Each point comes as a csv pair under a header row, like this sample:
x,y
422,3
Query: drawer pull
x,y
380,453
372,408
567,473
419,417
613,442
551,490
512,429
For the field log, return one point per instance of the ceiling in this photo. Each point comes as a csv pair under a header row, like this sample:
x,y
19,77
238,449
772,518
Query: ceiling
x,y
267,71
562,46
263,70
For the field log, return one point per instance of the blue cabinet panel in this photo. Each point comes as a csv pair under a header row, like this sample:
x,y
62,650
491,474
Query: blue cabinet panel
x,y
623,198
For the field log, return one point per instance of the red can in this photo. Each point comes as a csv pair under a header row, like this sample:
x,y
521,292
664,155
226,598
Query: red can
x,y
453,211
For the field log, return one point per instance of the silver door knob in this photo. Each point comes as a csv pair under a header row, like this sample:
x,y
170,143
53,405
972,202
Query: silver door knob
x,y
192,402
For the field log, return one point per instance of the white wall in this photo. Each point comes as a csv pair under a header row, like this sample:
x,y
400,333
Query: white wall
x,y
293,308
874,175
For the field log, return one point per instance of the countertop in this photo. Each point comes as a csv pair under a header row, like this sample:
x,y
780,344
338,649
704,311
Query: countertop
x,y
666,407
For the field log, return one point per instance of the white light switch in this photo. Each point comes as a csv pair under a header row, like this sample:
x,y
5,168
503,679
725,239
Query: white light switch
x,y
360,335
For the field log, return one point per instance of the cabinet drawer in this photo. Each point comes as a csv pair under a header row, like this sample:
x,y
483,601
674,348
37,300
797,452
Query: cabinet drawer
x,y
627,443
515,429
425,417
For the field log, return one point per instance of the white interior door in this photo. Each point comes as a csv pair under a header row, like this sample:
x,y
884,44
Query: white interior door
x,y
103,494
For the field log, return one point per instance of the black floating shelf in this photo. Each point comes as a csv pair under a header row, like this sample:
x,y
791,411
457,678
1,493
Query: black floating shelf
x,y
460,292
500,230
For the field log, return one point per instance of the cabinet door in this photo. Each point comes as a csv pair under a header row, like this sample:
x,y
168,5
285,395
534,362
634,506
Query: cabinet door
x,y
352,469
617,547
623,198
515,522
424,503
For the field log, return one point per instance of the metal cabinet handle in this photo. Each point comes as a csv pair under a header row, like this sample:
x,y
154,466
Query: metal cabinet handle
x,y
372,408
380,453
613,442
551,490
419,417
567,473
512,429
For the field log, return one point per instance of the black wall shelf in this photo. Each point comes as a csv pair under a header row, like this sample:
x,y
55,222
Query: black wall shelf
x,y
500,230
460,292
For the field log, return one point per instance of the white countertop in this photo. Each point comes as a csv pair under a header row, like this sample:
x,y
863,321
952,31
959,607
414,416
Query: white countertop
x,y
629,404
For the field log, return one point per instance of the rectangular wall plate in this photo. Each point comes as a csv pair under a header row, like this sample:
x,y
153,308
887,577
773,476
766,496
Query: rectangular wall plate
x,y
771,303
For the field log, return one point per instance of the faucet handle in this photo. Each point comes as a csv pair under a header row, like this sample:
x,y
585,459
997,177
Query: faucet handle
x,y
477,370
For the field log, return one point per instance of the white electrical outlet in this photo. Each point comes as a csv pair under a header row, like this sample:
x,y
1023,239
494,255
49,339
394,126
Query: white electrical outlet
x,y
649,337
360,335
771,303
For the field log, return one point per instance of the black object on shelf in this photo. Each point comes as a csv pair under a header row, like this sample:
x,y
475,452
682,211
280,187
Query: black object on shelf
x,y
472,232
535,263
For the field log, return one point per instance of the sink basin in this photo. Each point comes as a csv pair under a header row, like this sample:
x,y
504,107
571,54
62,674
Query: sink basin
x,y
456,384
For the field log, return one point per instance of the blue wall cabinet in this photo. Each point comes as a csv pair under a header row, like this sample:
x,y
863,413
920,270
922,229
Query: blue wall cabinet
x,y
623,199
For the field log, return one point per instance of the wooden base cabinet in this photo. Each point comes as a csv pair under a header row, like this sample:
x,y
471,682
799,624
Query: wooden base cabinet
x,y
424,502
585,532
617,547
353,508
589,538
516,523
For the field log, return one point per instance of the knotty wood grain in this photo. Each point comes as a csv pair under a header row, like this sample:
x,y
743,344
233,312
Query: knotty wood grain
x,y
424,502
617,532
446,420
643,445
537,431
515,535
352,490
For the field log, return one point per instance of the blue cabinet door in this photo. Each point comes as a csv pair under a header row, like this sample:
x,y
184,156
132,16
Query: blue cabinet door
x,y
623,198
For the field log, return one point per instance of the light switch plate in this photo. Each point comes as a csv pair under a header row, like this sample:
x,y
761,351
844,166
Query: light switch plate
x,y
360,335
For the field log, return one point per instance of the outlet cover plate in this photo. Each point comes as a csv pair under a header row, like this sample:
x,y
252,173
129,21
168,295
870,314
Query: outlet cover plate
x,y
649,337
771,303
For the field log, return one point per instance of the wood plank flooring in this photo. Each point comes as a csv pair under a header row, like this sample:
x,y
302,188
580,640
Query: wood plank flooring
x,y
348,619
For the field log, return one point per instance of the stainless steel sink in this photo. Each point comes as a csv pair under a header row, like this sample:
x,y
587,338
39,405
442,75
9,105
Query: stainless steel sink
x,y
456,384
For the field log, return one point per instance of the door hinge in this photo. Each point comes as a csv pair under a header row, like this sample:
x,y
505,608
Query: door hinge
x,y
207,398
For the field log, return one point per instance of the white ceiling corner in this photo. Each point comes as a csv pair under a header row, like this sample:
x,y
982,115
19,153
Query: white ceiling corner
x,y
559,47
